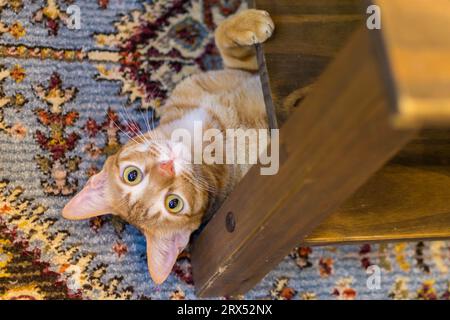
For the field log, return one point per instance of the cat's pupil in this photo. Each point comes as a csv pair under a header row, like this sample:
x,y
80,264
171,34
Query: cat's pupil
x,y
173,203
132,175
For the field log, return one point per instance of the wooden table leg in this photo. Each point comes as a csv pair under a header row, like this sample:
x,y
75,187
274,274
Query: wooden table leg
x,y
336,139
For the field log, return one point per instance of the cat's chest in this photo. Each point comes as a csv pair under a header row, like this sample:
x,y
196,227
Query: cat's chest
x,y
232,98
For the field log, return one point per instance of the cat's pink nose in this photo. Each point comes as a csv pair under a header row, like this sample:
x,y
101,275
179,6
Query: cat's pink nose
x,y
167,168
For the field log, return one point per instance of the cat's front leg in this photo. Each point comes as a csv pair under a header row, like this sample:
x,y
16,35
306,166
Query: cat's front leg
x,y
236,36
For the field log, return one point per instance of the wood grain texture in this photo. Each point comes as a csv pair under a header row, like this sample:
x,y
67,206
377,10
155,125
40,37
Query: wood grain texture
x,y
338,137
399,203
288,83
415,37
308,34
272,117
409,198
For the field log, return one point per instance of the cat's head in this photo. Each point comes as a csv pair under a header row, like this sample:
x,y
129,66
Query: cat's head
x,y
150,185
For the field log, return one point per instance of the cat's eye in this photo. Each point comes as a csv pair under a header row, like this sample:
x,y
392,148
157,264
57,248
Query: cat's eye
x,y
174,203
132,175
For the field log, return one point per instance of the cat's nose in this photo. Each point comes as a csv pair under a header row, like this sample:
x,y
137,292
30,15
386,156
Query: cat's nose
x,y
167,168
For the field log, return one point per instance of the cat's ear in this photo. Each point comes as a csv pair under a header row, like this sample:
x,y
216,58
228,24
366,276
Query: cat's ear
x,y
90,201
162,253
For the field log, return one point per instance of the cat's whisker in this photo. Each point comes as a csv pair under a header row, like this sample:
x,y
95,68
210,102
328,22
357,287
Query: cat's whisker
x,y
153,118
198,182
150,133
203,183
127,118
153,107
124,132
152,125
121,130
145,120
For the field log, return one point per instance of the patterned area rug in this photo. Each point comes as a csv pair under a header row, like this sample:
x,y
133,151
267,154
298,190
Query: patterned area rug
x,y
61,90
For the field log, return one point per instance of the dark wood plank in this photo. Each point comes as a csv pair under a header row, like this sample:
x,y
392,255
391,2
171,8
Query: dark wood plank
x,y
431,147
399,203
337,138
409,198
308,34
314,23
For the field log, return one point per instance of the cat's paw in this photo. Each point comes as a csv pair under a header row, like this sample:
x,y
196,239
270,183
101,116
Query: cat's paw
x,y
249,27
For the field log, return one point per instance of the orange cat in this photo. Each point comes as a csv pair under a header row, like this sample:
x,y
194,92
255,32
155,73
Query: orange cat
x,y
148,182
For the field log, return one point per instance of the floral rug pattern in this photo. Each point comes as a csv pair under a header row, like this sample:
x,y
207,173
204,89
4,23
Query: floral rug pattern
x,y
69,98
